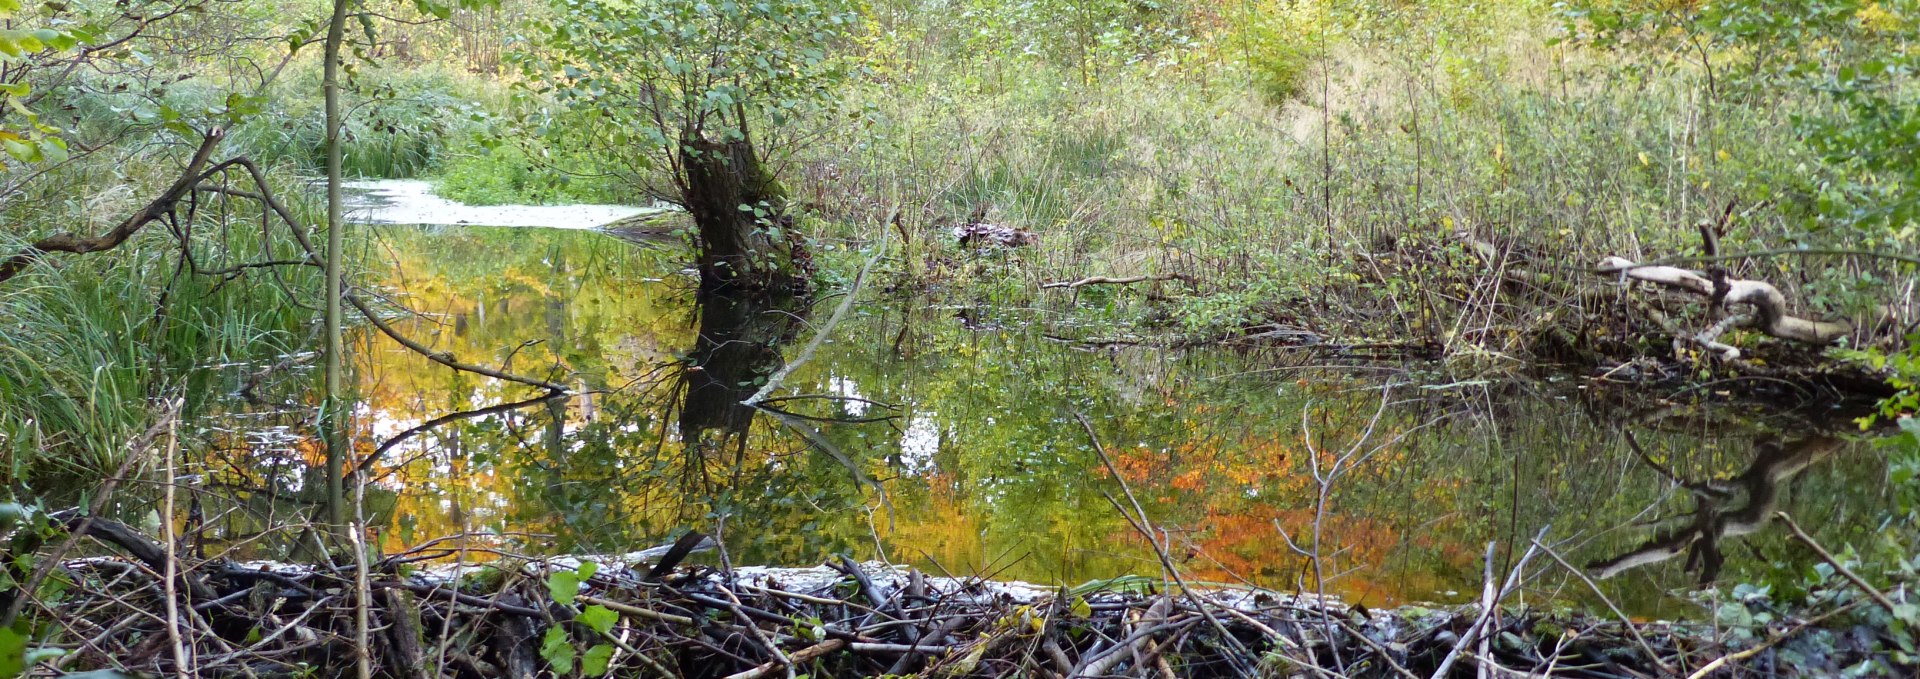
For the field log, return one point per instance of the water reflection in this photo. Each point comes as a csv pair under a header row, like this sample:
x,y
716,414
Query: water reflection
x,y
1723,509
951,444
739,347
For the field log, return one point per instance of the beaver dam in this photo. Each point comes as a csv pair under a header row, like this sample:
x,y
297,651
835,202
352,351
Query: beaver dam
x,y
641,616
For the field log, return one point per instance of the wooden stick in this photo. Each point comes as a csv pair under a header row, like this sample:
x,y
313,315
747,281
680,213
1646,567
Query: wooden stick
x,y
181,661
1490,600
637,611
800,656
1770,643
897,648
1104,280
1631,628
1835,563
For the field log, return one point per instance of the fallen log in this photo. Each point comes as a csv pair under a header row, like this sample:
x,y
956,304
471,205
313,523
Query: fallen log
x,y
1769,305
1105,280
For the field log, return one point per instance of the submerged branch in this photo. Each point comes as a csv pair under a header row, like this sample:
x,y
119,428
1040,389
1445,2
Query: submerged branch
x,y
820,337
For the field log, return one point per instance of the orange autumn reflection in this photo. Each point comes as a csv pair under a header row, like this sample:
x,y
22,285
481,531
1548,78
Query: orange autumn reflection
x,y
942,437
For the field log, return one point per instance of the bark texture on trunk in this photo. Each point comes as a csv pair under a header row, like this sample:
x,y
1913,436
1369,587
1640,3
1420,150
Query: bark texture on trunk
x,y
739,248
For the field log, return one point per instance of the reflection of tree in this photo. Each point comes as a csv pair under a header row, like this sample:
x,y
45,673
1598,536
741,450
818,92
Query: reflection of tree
x,y
983,469
737,350
1723,508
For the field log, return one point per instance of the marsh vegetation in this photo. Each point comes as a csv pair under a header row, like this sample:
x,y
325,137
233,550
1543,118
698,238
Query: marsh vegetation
x,y
1267,337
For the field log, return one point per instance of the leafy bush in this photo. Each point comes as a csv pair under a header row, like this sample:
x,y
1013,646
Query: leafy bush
x,y
1279,44
505,175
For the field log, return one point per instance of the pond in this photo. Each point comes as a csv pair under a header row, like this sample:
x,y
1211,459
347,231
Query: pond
x,y
947,436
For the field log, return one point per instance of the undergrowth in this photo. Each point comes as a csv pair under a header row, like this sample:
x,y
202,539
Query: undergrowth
x,y
1339,172
95,346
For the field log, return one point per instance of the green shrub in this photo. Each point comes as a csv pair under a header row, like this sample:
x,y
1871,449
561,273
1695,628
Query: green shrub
x,y
1278,45
505,175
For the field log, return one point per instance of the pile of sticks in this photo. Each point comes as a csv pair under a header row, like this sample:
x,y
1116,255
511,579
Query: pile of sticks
x,y
150,611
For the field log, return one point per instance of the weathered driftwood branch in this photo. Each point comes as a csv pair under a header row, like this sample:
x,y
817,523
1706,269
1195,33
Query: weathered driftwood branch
x,y
1769,305
160,207
1104,280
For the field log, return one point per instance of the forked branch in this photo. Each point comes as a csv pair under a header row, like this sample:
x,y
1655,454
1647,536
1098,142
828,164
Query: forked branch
x,y
160,207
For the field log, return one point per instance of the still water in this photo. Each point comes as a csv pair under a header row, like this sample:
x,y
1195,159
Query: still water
x,y
945,435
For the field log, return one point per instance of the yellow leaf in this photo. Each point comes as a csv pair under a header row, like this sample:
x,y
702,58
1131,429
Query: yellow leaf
x,y
1643,159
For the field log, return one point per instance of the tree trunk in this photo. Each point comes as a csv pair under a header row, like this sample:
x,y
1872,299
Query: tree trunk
x,y
334,407
740,249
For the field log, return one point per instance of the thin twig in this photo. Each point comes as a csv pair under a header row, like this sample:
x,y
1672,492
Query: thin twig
x,y
1490,602
182,663
1147,530
1632,629
1724,660
1835,563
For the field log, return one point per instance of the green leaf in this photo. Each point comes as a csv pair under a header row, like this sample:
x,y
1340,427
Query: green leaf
x,y
600,618
439,10
53,150
594,663
13,653
563,586
20,151
1734,614
17,89
557,651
